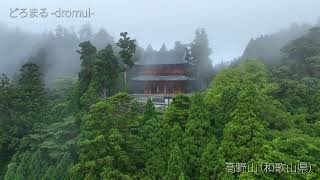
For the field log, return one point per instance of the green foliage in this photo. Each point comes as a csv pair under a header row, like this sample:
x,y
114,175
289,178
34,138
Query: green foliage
x,y
303,54
250,114
106,72
244,135
158,143
226,87
198,129
100,71
156,137
39,136
175,168
31,99
102,143
209,160
62,87
45,153
7,113
6,97
177,112
290,147
128,47
87,54
149,111
23,106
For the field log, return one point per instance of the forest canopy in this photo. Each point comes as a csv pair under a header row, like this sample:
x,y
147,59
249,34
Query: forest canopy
x,y
90,127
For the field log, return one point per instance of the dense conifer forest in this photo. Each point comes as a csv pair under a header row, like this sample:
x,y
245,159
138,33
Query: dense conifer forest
x,y
89,127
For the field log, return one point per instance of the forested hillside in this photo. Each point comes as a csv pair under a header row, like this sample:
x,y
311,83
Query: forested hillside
x,y
268,48
90,128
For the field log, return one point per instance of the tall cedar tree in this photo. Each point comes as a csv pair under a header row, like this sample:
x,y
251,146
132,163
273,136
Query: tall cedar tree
x,y
31,95
128,48
87,53
209,159
7,113
8,137
200,55
195,137
106,72
244,135
149,111
106,139
175,169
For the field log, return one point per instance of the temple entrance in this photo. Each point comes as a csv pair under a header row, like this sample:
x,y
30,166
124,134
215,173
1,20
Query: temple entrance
x,y
158,88
163,88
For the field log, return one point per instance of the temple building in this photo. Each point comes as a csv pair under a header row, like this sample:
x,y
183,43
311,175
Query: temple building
x,y
167,76
160,79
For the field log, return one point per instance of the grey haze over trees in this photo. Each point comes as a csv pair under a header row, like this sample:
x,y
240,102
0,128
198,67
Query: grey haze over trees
x,y
54,51
229,23
200,56
268,48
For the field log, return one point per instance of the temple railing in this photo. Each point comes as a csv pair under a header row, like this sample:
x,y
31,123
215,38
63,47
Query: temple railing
x,y
159,100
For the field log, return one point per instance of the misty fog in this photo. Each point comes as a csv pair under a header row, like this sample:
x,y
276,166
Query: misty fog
x,y
158,27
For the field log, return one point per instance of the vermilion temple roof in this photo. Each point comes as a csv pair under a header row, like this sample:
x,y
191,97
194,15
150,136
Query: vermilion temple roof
x,y
155,60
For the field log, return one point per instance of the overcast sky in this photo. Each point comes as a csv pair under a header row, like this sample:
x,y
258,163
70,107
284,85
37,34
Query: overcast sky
x,y
229,23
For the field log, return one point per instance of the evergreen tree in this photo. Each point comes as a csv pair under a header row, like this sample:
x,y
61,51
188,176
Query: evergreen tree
x,y
10,173
60,171
37,166
197,131
31,100
149,111
209,160
20,171
7,110
176,135
106,139
177,112
106,72
200,52
159,145
90,97
87,55
128,48
244,135
50,174
175,169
